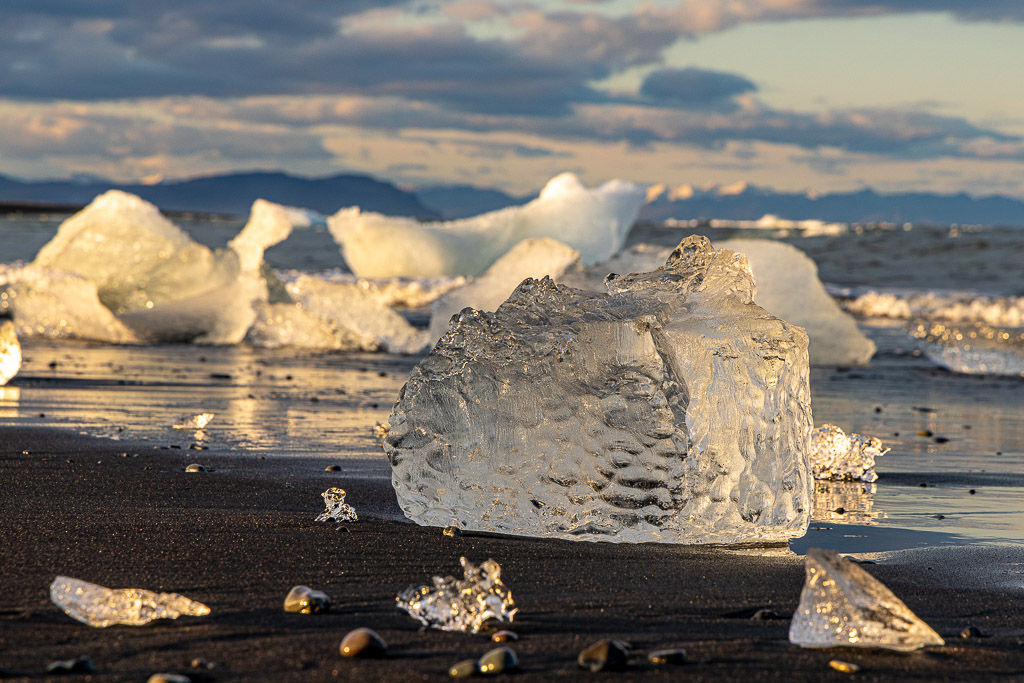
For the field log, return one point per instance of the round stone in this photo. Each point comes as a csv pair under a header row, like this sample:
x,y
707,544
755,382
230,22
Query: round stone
x,y
333,468
504,637
195,467
497,661
604,655
844,667
363,642
667,657
972,632
463,669
168,678
305,600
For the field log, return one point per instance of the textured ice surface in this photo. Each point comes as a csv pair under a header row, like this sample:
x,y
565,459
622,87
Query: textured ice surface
x,y
534,257
10,352
593,221
843,606
99,606
976,349
465,604
335,316
337,509
841,456
672,409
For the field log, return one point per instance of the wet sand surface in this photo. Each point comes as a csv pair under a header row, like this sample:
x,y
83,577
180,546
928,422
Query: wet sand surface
x,y
240,536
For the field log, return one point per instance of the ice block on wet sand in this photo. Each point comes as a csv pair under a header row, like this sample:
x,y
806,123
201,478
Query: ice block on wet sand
x,y
671,409
843,606
840,456
98,606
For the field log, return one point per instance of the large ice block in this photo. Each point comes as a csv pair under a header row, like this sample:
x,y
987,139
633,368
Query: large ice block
x,y
843,606
592,221
671,409
10,352
101,607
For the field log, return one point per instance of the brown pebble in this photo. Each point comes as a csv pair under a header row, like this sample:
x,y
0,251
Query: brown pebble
x,y
305,600
497,661
200,663
973,632
844,667
925,432
667,657
168,678
463,669
195,467
363,642
333,468
604,655
504,637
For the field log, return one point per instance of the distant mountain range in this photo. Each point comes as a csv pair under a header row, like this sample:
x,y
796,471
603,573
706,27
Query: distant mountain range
x,y
231,193
234,193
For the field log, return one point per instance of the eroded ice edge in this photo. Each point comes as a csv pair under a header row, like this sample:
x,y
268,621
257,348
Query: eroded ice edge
x,y
841,605
671,409
101,607
467,604
840,456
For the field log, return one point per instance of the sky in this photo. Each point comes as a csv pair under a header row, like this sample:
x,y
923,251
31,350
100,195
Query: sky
x,y
795,95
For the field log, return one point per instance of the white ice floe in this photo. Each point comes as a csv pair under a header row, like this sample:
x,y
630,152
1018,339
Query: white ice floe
x,y
593,221
671,409
534,258
844,457
843,606
954,307
975,349
10,352
101,607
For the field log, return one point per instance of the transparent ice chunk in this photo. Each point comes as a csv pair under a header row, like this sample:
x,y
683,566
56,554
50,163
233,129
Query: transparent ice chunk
x,y
337,509
672,409
193,421
10,352
836,455
465,604
843,606
101,607
973,348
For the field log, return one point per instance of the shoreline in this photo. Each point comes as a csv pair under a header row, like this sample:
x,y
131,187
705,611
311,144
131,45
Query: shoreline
x,y
241,535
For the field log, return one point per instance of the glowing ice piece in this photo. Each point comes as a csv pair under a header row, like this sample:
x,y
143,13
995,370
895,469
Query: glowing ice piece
x,y
535,258
337,509
10,352
836,455
672,409
976,349
466,604
193,421
843,606
101,607
593,221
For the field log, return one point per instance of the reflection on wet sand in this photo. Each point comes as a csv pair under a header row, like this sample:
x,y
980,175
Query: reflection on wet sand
x,y
845,502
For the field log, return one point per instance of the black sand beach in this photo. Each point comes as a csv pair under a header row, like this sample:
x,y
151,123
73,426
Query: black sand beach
x,y
240,536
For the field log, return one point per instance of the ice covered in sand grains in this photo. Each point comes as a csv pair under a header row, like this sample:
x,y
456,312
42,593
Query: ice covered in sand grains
x,y
671,409
592,221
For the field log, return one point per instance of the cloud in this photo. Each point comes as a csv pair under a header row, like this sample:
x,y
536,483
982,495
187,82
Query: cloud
x,y
692,88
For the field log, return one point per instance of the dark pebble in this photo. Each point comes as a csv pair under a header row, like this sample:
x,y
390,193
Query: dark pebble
x,y
200,663
972,492
878,409
498,661
604,655
941,439
333,468
938,516
78,665
973,632
196,447
382,374
219,375
765,614
923,485
305,600
840,510
504,637
667,657
926,432
363,642
463,669
314,399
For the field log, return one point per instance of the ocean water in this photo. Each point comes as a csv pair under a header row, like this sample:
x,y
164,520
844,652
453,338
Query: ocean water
x,y
954,475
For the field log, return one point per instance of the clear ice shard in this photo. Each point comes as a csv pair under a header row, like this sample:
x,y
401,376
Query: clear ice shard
x,y
102,607
337,509
672,409
465,604
592,221
10,352
973,348
844,457
193,421
843,606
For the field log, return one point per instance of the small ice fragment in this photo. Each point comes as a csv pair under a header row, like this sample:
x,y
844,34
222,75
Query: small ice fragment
x,y
465,604
193,422
843,606
101,607
841,457
337,509
10,352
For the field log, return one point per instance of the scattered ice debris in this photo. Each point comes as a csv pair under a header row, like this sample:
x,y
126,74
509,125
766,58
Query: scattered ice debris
x,y
10,352
101,607
535,258
952,307
976,349
593,221
604,655
363,642
193,421
465,604
843,606
337,509
845,502
841,457
305,600
690,405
